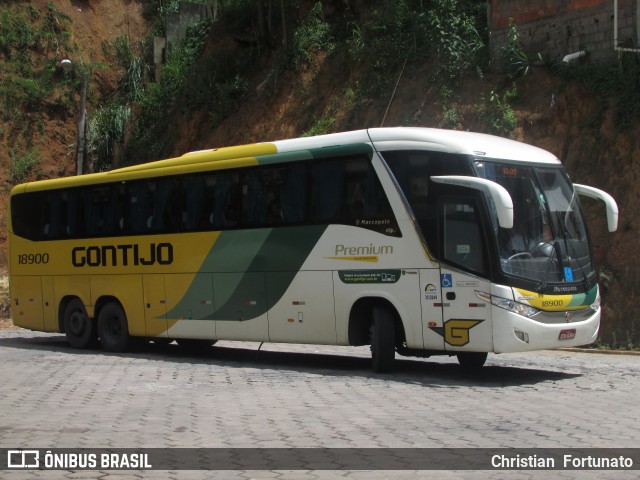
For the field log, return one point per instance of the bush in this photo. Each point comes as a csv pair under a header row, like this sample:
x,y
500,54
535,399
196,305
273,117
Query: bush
x,y
131,82
22,166
107,129
443,32
496,112
311,37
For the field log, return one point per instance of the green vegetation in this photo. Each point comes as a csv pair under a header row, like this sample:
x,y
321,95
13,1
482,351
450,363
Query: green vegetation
x,y
445,33
107,129
22,166
617,85
496,112
628,340
311,37
513,60
30,87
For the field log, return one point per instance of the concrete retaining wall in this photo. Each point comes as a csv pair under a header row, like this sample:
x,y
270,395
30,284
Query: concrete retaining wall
x,y
555,28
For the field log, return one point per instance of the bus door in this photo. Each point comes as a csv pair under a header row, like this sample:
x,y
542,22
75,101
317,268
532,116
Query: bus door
x,y
464,271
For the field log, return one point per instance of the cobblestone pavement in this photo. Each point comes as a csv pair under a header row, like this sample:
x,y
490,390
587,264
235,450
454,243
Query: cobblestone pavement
x,y
309,396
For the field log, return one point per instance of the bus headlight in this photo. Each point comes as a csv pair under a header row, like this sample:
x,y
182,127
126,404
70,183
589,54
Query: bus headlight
x,y
511,305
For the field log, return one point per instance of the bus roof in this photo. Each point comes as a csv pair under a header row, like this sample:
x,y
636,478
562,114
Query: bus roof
x,y
451,141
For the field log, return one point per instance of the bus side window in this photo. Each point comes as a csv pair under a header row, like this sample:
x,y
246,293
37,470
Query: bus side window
x,y
52,221
327,191
280,197
72,212
356,199
226,200
139,209
348,191
255,198
163,217
365,197
193,191
26,211
293,194
99,210
462,242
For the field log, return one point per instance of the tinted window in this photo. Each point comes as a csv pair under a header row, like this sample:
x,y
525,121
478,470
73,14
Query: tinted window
x,y
412,170
348,191
342,190
462,242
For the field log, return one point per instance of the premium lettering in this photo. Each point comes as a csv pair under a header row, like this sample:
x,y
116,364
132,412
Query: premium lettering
x,y
122,255
342,250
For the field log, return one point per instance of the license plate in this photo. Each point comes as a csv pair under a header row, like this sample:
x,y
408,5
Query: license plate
x,y
567,334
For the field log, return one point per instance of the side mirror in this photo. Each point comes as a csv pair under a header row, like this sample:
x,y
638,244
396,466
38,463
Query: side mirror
x,y
609,202
501,198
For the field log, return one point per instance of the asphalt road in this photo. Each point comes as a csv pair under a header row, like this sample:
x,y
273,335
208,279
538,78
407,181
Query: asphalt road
x,y
296,396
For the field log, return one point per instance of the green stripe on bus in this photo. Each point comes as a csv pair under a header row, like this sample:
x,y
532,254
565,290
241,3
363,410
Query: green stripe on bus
x,y
317,153
249,271
286,157
584,299
284,252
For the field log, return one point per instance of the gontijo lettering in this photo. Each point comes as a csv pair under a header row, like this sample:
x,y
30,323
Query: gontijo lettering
x,y
122,255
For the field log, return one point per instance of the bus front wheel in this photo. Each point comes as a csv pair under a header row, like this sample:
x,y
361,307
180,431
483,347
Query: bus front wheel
x,y
383,340
472,360
79,329
113,328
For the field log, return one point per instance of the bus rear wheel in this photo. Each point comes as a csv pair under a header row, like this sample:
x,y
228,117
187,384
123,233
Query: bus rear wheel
x,y
113,328
383,340
79,329
472,360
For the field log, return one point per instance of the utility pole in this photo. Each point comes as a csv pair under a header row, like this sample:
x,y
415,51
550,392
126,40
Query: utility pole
x,y
82,120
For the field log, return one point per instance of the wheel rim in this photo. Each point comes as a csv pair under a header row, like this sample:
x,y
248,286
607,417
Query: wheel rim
x,y
114,326
77,323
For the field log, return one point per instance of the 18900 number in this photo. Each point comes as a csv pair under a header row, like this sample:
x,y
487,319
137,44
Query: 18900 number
x,y
33,258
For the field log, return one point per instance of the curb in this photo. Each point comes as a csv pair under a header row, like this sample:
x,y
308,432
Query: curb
x,y
604,352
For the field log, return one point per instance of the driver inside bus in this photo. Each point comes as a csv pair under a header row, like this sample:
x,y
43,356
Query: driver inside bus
x,y
519,241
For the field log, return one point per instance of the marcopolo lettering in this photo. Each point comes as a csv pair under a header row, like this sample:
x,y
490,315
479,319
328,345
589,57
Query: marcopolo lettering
x,y
122,255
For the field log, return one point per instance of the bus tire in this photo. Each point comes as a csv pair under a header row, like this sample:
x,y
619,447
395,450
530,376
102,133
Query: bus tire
x,y
79,329
472,360
113,328
383,340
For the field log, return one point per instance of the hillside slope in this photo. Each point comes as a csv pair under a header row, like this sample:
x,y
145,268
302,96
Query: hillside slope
x,y
564,118
38,125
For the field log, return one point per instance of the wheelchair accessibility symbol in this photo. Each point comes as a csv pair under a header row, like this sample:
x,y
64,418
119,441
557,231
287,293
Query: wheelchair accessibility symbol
x,y
445,280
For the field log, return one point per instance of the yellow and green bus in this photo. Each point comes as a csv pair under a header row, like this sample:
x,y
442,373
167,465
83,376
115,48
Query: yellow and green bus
x,y
415,241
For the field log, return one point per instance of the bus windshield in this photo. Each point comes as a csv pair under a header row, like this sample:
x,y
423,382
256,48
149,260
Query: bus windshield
x,y
548,241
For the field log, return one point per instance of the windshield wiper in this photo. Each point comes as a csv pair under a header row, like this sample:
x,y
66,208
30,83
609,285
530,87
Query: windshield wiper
x,y
569,247
542,285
